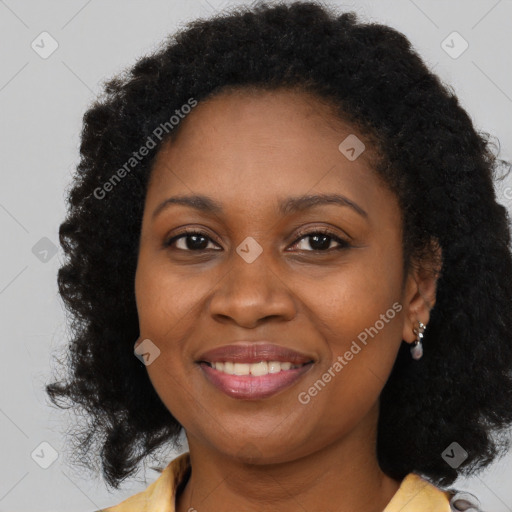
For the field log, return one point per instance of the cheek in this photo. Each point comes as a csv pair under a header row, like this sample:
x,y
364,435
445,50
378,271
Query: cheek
x,y
169,306
358,313
166,310
354,296
167,302
361,349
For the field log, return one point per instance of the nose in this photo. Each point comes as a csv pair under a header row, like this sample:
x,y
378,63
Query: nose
x,y
251,294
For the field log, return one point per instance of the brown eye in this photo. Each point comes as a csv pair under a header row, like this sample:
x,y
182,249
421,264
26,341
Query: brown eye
x,y
193,241
321,240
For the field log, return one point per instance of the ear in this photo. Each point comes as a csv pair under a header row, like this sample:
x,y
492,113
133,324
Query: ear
x,y
420,290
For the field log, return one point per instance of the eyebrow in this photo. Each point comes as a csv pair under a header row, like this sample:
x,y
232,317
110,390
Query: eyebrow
x,y
286,206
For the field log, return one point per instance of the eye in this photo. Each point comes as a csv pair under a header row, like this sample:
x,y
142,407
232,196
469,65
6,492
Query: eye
x,y
321,240
194,241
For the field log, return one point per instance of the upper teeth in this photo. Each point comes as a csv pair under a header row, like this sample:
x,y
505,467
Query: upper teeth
x,y
256,369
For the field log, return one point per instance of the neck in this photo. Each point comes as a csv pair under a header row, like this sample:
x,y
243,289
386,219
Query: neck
x,y
343,476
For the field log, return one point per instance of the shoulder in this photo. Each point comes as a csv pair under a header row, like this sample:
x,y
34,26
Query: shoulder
x,y
160,495
417,494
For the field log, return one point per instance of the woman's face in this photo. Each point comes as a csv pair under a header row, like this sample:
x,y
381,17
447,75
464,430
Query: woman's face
x,y
255,275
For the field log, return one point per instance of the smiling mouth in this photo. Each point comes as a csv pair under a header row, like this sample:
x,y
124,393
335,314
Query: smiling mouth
x,y
253,381
253,369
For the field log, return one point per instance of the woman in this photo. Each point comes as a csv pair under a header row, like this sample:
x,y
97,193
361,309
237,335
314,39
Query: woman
x,y
296,221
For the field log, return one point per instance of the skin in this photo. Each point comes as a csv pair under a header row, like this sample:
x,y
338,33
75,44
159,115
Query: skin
x,y
248,150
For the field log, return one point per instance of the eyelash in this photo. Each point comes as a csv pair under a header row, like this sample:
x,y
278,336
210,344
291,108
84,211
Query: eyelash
x,y
343,244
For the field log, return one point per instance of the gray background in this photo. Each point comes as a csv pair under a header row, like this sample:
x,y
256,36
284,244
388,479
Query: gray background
x,y
42,101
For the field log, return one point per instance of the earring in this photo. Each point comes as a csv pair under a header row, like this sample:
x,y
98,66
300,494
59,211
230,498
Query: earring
x,y
417,348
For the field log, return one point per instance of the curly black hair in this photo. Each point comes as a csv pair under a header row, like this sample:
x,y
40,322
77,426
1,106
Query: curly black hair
x,y
430,154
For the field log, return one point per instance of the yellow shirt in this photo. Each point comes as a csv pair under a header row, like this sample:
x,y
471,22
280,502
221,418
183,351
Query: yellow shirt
x,y
414,495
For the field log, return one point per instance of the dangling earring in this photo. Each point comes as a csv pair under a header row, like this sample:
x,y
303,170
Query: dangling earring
x,y
417,347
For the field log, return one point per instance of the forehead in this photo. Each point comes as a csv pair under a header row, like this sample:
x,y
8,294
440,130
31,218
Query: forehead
x,y
253,145
264,116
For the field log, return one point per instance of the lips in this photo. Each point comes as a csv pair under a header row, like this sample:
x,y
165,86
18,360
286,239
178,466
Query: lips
x,y
248,387
253,352
285,368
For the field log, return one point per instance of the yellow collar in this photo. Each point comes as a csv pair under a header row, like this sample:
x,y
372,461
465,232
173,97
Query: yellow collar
x,y
414,495
417,495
